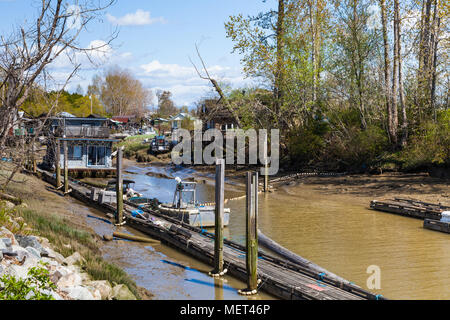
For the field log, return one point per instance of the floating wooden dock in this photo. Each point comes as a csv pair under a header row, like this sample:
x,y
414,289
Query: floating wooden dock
x,y
278,277
410,208
436,225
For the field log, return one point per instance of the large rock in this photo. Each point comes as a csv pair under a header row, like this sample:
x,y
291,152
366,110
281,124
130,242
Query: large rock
x,y
51,293
78,293
5,233
5,244
95,292
9,205
58,273
75,258
43,241
69,280
103,286
31,241
23,255
55,255
34,252
121,292
16,271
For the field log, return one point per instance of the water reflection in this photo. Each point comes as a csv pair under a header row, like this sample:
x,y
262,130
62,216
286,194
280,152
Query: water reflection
x,y
336,231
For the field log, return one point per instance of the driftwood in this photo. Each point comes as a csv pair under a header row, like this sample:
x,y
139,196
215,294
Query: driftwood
x,y
10,198
134,238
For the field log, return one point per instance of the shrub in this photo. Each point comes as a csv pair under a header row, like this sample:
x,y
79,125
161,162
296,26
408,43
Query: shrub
x,y
429,145
29,288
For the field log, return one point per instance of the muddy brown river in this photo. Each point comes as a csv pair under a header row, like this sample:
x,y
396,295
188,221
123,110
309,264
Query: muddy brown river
x,y
335,230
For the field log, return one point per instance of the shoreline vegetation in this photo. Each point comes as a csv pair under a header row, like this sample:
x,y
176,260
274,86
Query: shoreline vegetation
x,y
44,213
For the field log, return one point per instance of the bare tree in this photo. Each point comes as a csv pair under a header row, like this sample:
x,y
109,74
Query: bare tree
x,y
216,86
391,111
25,56
26,53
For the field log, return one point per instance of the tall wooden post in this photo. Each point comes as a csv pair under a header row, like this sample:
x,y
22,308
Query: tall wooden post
x,y
119,187
58,163
266,167
66,168
33,158
251,234
218,234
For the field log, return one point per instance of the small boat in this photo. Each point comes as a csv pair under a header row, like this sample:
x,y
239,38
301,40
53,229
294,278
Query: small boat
x,y
128,191
191,212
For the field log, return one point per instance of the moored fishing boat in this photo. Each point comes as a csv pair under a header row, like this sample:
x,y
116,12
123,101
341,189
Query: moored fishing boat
x,y
188,209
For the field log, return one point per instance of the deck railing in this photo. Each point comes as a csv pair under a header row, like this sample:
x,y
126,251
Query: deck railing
x,y
86,132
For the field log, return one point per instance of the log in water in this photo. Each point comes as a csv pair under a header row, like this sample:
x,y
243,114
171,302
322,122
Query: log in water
x,y
265,241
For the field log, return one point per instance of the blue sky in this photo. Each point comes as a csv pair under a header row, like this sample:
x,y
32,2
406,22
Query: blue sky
x,y
156,39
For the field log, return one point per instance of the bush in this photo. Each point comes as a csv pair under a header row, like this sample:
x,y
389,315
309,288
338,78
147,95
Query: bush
x,y
356,148
430,145
29,288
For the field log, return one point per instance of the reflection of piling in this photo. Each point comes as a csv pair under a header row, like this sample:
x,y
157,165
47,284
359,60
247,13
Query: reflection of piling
x,y
66,168
266,176
218,233
251,233
119,187
58,164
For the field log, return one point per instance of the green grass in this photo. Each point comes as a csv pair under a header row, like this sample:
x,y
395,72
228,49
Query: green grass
x,y
133,144
67,239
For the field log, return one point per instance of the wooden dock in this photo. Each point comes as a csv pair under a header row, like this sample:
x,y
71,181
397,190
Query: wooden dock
x,y
410,208
437,225
281,278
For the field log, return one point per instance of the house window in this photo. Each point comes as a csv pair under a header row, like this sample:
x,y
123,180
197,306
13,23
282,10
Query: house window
x,y
75,152
96,155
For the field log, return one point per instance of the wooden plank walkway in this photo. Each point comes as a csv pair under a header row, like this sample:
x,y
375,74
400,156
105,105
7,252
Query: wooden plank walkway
x,y
280,278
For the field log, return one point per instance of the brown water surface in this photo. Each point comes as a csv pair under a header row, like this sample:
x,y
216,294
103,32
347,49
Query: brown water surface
x,y
330,225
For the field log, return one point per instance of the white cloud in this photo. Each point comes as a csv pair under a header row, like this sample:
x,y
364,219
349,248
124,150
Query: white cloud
x,y
139,18
184,83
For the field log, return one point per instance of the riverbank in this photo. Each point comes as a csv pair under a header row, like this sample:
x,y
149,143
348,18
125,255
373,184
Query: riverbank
x,y
56,218
422,186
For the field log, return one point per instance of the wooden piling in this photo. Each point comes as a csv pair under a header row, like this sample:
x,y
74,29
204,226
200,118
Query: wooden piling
x,y
119,187
66,168
33,158
251,233
266,166
58,164
219,209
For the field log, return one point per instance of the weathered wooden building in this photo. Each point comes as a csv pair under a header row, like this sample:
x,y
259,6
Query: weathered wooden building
x,y
215,115
89,145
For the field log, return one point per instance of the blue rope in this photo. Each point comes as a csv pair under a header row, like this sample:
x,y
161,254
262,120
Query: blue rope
x,y
319,282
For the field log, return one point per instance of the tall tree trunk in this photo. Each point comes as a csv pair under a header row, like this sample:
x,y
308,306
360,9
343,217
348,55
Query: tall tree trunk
x,y
391,113
423,75
278,90
313,23
397,39
434,40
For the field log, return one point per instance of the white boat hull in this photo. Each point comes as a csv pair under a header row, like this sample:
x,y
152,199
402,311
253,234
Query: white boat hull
x,y
201,216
